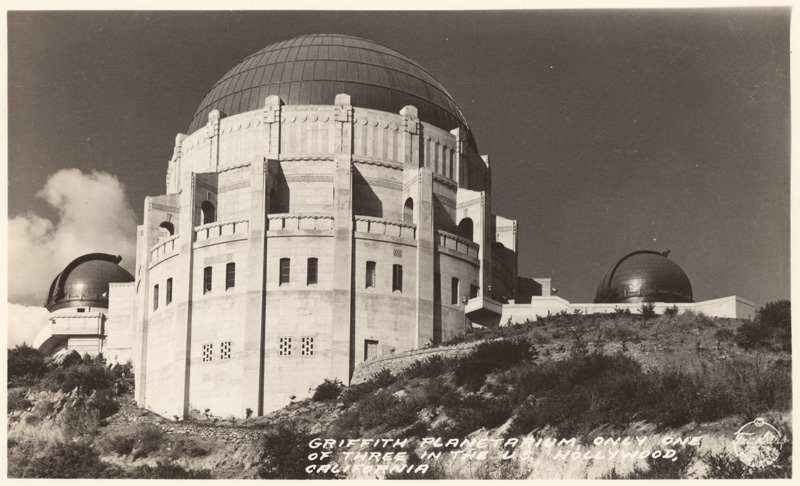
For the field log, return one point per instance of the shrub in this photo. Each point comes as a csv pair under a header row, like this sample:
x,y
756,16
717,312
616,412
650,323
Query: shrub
x,y
121,444
671,311
429,367
167,470
17,400
88,377
474,412
284,455
68,460
148,440
489,356
583,392
752,335
379,380
777,316
647,310
25,362
327,390
723,334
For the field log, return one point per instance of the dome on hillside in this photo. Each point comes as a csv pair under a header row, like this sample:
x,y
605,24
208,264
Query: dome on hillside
x,y
313,69
645,276
84,282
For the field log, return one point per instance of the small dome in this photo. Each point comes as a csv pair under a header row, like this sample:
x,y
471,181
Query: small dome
x,y
645,276
84,282
313,69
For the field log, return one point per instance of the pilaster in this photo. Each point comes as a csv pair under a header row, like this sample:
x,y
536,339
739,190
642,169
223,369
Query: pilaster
x,y
255,307
342,321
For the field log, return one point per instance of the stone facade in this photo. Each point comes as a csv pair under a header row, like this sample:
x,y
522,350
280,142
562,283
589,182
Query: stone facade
x,y
295,242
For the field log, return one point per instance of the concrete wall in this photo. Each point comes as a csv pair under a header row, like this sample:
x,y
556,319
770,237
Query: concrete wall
x,y
733,307
120,324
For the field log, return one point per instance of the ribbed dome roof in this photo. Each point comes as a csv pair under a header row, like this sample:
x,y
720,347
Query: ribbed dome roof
x,y
313,69
645,276
84,282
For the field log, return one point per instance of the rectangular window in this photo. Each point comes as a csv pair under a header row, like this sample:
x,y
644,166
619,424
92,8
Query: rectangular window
x,y
454,291
207,279
397,277
370,349
285,346
208,352
437,286
370,277
225,350
169,290
473,291
311,273
284,275
155,297
230,276
307,346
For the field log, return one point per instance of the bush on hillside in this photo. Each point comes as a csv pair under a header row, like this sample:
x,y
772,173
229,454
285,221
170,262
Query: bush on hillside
x,y
68,460
24,363
648,310
328,390
17,400
167,470
379,380
585,391
284,455
489,356
771,329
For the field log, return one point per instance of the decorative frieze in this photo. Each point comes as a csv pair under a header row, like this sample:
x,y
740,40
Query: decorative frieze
x,y
396,186
168,209
469,203
234,186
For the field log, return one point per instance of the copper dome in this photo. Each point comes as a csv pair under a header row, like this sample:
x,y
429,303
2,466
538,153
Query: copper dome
x,y
645,276
84,282
313,69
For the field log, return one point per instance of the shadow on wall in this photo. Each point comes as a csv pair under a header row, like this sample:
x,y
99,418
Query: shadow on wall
x,y
365,201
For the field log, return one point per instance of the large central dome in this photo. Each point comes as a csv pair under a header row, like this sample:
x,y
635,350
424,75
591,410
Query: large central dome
x,y
313,69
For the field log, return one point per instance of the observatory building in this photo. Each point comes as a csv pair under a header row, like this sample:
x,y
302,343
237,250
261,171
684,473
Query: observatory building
x,y
84,316
327,205
638,278
645,276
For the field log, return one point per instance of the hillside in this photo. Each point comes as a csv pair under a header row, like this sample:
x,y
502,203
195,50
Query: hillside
x,y
567,396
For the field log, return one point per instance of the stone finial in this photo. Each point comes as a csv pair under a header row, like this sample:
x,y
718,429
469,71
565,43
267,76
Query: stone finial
x,y
458,133
214,116
272,109
342,99
410,118
343,110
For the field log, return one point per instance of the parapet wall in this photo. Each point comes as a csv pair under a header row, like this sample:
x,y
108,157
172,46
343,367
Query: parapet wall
x,y
398,362
732,307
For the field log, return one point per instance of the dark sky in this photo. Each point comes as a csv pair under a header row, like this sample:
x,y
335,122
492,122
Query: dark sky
x,y
608,131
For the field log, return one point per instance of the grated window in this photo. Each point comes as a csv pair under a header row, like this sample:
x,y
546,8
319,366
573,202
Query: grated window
x,y
208,352
285,346
225,350
307,346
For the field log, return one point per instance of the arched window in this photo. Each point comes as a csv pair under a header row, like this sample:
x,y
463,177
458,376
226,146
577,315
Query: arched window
x,y
207,213
165,230
408,211
465,229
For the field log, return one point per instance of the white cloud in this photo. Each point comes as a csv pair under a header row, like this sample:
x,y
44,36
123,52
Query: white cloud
x,y
93,216
24,322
